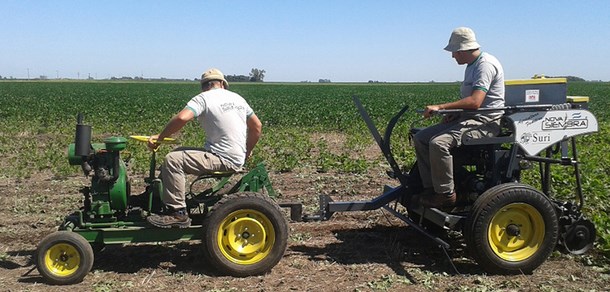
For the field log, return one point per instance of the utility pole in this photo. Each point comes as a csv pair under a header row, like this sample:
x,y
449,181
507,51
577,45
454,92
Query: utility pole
x,y
28,73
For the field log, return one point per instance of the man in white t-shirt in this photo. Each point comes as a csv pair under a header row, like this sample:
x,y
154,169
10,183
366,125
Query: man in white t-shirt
x,y
232,130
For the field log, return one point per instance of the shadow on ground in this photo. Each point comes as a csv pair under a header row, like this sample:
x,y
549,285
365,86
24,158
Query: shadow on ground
x,y
126,259
397,247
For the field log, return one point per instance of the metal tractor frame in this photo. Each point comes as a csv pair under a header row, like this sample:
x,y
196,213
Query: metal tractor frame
x,y
242,229
509,227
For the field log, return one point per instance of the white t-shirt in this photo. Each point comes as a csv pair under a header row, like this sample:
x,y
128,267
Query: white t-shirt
x,y
222,114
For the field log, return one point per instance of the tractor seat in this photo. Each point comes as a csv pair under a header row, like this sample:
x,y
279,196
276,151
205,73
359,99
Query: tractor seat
x,y
217,182
222,173
218,174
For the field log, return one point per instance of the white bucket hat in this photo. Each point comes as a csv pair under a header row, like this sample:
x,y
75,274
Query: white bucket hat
x,y
462,39
214,74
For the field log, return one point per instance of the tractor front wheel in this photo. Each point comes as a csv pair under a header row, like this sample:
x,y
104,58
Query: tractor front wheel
x,y
245,234
64,257
513,228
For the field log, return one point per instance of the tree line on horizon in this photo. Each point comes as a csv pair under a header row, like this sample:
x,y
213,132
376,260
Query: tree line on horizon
x,y
255,75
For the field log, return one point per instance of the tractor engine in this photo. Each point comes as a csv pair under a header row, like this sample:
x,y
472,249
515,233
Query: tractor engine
x,y
107,196
480,167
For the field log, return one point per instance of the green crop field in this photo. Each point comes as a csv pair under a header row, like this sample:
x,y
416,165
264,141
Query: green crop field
x,y
37,121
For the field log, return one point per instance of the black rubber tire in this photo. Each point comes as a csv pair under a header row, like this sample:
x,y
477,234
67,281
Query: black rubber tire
x,y
511,208
233,222
64,258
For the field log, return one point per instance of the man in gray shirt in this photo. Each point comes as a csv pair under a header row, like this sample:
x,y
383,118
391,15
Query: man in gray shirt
x,y
483,87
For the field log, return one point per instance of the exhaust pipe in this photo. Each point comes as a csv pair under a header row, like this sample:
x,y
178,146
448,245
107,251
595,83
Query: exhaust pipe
x,y
82,139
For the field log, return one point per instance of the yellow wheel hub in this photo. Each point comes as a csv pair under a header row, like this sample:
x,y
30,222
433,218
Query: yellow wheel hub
x,y
246,237
516,232
62,259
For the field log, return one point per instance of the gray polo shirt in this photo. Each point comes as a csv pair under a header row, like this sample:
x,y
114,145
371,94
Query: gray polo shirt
x,y
485,74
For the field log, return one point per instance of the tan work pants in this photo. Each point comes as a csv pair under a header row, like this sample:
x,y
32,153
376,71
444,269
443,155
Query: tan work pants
x,y
433,146
178,164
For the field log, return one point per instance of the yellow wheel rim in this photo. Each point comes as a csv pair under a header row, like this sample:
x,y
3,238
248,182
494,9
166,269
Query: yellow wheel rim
x,y
516,232
246,237
62,259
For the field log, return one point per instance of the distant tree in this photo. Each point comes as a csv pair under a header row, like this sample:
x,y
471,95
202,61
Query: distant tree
x,y
568,78
257,75
237,78
574,78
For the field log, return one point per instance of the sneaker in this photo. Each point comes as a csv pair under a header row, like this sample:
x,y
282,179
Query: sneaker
x,y
439,200
176,219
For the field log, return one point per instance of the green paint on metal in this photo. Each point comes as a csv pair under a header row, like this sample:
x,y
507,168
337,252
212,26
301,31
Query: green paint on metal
x,y
141,234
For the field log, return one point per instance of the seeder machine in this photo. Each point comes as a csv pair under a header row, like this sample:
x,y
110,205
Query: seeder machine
x,y
509,227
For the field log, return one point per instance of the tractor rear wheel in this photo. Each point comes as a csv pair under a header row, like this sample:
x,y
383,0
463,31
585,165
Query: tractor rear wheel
x,y
245,234
64,257
512,229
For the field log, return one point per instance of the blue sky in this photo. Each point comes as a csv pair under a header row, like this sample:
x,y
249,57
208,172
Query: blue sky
x,y
342,41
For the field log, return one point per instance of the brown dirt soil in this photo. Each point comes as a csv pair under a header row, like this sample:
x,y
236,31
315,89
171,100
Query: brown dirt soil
x,y
357,251
360,251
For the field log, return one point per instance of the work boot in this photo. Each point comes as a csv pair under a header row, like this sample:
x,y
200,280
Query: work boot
x,y
435,200
414,200
173,219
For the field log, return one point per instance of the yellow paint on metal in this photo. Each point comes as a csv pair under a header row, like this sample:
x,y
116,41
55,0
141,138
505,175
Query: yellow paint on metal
x,y
145,139
530,225
536,81
62,259
246,237
578,99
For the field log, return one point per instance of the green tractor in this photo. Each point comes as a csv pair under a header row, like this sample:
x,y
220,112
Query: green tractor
x,y
242,229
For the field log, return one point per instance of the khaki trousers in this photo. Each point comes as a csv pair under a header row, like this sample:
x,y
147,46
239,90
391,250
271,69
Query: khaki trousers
x,y
433,146
178,164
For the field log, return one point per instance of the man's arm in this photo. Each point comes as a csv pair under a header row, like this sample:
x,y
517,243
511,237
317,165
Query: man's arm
x,y
173,126
471,102
255,128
